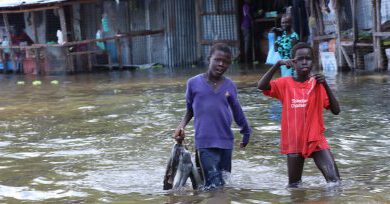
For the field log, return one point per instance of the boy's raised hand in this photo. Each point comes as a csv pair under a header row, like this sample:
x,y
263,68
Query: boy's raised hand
x,y
290,63
320,78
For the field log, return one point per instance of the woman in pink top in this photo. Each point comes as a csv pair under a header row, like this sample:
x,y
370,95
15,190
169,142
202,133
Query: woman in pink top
x,y
303,98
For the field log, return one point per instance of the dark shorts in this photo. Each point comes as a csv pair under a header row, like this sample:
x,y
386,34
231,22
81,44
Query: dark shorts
x,y
214,162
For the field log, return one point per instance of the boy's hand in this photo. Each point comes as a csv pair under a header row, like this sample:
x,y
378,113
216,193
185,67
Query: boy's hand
x,y
243,145
179,135
320,78
277,31
290,63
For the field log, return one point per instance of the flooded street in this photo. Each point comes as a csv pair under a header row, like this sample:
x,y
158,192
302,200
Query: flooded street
x,y
106,138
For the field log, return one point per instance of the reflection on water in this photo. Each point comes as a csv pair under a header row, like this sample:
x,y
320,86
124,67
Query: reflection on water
x,y
106,137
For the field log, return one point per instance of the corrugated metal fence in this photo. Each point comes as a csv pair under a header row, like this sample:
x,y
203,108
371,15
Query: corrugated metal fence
x,y
177,18
364,11
220,26
178,45
180,32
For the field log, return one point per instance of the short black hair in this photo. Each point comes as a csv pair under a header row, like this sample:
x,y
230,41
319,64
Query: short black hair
x,y
301,45
221,47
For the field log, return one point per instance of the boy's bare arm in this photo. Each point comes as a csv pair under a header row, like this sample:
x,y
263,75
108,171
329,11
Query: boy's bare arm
x,y
179,132
263,83
188,116
333,103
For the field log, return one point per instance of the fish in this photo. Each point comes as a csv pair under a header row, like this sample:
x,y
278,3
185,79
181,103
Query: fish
x,y
179,168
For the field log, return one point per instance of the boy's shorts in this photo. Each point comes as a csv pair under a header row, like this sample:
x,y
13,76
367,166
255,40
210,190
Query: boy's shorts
x,y
215,161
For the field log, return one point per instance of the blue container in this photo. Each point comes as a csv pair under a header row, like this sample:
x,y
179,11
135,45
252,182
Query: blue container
x,y
10,65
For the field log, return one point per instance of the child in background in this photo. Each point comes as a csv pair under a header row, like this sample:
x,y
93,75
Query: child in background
x,y
303,98
286,40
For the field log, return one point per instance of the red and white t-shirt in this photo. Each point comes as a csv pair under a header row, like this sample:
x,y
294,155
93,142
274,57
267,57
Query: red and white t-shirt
x,y
294,97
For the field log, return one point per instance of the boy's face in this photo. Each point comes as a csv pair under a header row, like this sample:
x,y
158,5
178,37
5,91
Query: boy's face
x,y
304,61
219,63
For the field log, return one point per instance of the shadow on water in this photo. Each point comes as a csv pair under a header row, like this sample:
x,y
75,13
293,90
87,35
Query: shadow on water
x,y
106,137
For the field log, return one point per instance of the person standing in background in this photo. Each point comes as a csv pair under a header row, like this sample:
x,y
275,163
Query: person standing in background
x,y
286,40
300,19
246,30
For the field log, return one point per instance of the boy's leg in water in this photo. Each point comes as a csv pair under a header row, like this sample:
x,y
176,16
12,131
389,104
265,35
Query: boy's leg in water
x,y
324,161
295,164
210,159
198,166
225,166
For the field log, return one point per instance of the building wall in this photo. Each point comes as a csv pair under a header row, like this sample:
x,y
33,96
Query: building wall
x,y
219,27
180,32
364,12
90,16
139,18
137,15
178,45
385,10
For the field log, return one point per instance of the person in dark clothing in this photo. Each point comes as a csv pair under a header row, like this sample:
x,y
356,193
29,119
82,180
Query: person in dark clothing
x,y
246,29
300,19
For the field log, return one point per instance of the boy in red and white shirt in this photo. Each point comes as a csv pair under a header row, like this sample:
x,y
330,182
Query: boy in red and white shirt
x,y
303,99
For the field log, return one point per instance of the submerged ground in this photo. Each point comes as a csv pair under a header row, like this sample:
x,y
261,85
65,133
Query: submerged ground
x,y
106,137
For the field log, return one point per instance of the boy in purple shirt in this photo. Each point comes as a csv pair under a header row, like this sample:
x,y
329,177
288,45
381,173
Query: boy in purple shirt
x,y
212,99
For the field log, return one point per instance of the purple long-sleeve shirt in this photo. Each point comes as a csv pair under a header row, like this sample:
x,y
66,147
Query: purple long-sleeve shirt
x,y
213,113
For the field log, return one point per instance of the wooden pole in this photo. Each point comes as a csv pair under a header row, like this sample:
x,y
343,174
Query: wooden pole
x,y
378,44
61,12
319,33
34,28
355,33
7,30
375,29
76,34
36,40
119,52
339,54
198,19
320,20
130,40
64,31
37,61
148,38
76,22
70,60
347,59
44,8
89,55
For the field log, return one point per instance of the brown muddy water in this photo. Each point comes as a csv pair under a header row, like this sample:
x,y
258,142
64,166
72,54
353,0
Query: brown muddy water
x,y
106,138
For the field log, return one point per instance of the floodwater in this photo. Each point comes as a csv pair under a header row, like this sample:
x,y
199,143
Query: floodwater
x,y
106,138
